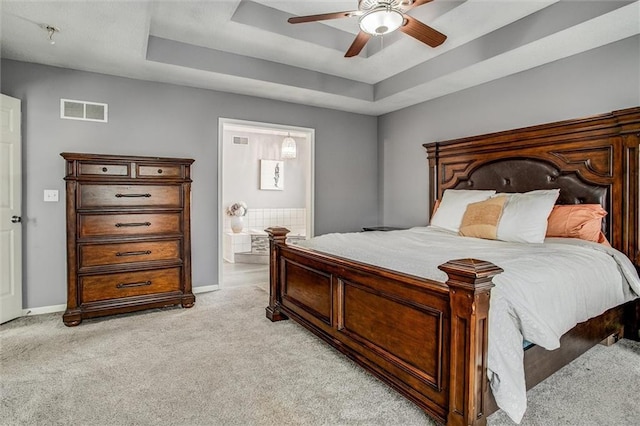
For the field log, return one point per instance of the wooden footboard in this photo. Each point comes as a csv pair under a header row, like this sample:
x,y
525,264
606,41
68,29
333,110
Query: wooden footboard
x,y
426,339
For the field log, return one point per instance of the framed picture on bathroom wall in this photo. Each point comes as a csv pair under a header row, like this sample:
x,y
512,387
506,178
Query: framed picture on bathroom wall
x,y
271,175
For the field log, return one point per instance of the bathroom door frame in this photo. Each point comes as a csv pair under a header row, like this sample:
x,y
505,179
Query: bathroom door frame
x,y
309,134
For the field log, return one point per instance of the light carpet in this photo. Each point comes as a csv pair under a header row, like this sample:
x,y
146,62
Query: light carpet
x,y
223,363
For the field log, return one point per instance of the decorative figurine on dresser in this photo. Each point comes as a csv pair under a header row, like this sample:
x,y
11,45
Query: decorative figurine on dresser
x,y
128,234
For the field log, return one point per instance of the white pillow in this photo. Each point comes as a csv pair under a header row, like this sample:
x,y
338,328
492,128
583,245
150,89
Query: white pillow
x,y
524,218
453,205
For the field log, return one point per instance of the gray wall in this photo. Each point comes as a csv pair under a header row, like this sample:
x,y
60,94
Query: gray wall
x,y
147,118
594,82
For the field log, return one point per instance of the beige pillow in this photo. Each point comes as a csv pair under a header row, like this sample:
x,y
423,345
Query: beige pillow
x,y
481,219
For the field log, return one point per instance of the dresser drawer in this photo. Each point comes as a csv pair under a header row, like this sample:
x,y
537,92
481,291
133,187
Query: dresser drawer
x,y
104,225
129,195
114,286
158,171
96,169
118,253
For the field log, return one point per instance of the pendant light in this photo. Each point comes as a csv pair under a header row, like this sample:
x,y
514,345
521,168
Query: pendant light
x,y
289,149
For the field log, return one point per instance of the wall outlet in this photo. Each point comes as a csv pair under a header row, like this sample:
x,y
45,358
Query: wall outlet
x,y
51,195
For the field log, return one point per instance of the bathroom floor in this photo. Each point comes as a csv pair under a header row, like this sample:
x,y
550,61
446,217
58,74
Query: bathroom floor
x,y
241,274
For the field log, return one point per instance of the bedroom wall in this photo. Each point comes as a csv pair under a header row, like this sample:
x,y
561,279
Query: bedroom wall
x,y
598,81
147,118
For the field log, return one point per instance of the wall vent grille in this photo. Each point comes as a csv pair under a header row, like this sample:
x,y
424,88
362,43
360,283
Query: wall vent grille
x,y
238,140
82,110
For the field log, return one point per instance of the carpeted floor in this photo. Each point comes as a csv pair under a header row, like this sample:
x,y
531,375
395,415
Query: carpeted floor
x,y
222,363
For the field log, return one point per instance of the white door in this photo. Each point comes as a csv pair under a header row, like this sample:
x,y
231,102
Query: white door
x,y
10,205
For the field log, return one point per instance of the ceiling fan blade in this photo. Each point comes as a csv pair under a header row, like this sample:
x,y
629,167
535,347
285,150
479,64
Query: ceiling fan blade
x,y
322,17
422,32
356,47
417,3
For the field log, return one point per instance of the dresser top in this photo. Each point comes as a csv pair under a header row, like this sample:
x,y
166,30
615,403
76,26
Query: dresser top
x,y
133,158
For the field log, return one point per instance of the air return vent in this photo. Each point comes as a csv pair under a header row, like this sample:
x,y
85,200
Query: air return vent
x,y
82,110
240,140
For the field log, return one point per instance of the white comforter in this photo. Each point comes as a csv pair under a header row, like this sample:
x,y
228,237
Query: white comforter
x,y
544,291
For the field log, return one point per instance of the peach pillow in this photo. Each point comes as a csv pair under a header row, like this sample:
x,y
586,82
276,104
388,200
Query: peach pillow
x,y
583,221
481,219
436,204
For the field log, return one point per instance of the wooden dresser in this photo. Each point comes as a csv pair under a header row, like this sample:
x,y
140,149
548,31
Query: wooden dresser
x,y
128,234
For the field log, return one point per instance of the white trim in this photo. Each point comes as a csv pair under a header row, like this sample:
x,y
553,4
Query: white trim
x,y
309,133
61,308
44,310
205,288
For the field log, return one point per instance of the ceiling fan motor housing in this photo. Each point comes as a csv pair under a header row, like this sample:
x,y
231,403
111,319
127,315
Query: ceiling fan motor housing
x,y
365,5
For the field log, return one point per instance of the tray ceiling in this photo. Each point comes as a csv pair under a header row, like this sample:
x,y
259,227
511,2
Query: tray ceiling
x,y
247,47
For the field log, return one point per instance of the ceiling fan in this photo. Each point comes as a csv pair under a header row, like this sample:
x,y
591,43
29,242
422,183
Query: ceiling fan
x,y
379,17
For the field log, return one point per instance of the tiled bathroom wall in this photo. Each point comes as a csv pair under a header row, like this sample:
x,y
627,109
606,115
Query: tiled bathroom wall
x,y
253,239
260,219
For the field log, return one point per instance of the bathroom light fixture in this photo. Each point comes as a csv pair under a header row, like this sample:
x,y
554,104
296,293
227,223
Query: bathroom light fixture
x,y
51,30
289,149
381,20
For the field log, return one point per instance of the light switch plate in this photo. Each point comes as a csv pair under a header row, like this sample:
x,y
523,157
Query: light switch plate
x,y
51,195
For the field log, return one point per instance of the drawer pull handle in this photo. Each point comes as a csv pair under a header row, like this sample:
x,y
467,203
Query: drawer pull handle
x,y
128,285
159,171
133,195
104,170
133,253
119,225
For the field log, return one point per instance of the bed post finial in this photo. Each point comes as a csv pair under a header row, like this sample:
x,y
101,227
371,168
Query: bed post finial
x,y
277,237
469,288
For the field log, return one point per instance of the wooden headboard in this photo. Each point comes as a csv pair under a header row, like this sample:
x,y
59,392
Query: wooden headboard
x,y
592,160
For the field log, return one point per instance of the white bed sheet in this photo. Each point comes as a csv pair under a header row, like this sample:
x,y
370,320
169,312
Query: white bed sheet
x,y
544,291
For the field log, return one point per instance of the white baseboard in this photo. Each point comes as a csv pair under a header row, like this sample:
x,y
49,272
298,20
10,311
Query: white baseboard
x,y
61,308
205,288
44,310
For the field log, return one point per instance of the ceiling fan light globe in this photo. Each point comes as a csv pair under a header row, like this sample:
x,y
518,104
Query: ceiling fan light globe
x,y
381,21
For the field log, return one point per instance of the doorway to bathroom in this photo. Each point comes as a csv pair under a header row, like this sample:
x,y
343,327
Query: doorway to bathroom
x,y
265,179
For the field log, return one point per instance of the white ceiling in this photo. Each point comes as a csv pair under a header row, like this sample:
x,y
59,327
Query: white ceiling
x,y
247,47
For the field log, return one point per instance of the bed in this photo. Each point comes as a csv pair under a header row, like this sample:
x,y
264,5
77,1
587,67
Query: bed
x,y
430,339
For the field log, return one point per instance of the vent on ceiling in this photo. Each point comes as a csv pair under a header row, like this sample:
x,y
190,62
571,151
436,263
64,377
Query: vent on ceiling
x,y
237,140
82,110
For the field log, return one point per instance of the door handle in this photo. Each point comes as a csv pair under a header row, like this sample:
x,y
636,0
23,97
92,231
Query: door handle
x,y
16,219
